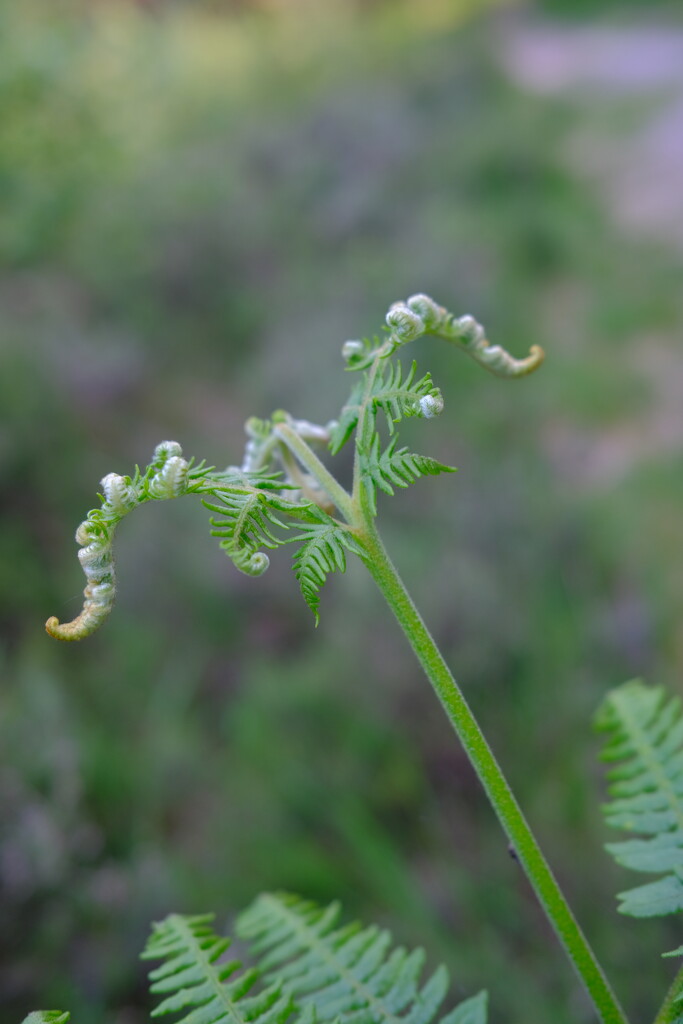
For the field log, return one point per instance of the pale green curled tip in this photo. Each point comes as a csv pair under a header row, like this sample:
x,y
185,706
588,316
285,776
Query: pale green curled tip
x,y
469,335
165,477
421,315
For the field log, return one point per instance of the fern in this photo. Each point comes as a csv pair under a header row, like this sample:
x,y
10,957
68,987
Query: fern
x,y
193,978
323,551
390,468
645,730
345,973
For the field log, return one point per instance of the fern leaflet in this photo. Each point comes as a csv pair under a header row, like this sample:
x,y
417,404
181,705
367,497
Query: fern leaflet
x,y
346,973
193,978
323,551
398,397
645,729
391,468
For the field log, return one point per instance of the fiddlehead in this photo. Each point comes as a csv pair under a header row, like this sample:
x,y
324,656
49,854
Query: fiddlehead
x,y
249,503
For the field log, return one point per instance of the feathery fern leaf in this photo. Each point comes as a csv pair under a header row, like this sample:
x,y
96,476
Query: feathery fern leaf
x,y
397,396
391,468
196,983
323,551
47,1017
347,973
645,729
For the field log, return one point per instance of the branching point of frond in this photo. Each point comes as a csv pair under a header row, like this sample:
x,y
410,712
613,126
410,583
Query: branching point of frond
x,y
645,743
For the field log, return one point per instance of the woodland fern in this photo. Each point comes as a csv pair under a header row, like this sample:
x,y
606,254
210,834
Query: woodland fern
x,y
305,971
284,493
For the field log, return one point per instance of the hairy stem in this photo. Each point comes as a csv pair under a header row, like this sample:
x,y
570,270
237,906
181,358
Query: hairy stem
x,y
671,1011
484,762
312,463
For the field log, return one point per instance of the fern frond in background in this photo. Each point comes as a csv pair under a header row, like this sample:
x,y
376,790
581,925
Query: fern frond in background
x,y
348,972
645,739
194,978
307,972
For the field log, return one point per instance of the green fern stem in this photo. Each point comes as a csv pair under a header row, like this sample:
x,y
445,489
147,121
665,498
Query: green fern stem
x,y
308,458
492,778
671,1012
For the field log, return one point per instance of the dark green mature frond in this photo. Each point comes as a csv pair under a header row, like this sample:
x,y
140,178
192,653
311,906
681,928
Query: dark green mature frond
x,y
197,984
347,973
645,729
47,1017
390,468
323,551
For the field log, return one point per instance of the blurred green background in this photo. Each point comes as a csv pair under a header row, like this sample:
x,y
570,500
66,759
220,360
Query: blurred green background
x,y
199,203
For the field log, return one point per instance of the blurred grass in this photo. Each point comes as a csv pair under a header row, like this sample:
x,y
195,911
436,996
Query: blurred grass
x,y
199,205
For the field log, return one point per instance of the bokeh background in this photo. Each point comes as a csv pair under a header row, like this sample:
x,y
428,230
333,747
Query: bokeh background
x,y
200,202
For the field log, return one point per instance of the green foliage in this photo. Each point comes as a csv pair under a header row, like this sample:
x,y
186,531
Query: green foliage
x,y
193,979
390,468
306,970
346,973
645,739
386,389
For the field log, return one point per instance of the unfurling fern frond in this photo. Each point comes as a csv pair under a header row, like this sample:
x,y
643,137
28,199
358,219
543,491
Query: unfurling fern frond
x,y
323,551
347,973
645,728
246,525
47,1017
196,983
390,468
397,396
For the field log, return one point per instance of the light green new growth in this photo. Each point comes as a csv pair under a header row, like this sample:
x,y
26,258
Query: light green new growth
x,y
282,480
283,493
645,743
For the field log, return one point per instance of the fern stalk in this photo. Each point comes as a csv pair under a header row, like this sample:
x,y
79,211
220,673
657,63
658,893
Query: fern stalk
x,y
492,778
670,1011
